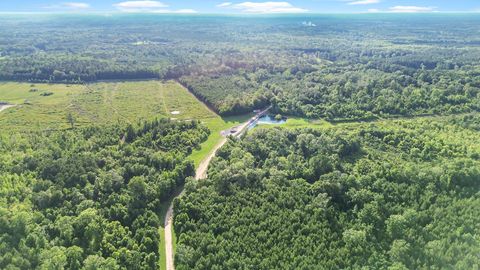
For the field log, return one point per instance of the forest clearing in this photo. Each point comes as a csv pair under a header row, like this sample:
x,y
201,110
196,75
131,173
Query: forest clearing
x,y
46,106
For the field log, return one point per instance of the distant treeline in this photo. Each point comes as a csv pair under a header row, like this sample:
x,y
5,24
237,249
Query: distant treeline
x,y
343,68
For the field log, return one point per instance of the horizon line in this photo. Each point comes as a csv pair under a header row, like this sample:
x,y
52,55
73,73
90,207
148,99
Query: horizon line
x,y
228,14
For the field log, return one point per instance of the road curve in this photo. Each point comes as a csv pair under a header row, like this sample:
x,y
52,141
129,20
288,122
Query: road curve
x,y
201,173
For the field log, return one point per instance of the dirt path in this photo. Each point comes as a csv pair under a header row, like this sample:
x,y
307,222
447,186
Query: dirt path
x,y
164,103
200,173
4,107
168,238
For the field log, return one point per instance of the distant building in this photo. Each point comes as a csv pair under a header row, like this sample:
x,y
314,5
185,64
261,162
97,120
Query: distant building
x,y
308,24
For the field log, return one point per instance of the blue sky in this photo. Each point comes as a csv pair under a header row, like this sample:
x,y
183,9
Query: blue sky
x,y
245,6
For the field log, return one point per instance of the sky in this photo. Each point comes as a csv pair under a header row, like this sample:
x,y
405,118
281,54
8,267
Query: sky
x,y
240,7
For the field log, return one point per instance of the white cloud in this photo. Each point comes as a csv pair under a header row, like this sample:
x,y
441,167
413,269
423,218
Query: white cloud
x,y
185,11
364,2
69,6
148,7
373,10
267,7
411,9
76,5
140,6
226,4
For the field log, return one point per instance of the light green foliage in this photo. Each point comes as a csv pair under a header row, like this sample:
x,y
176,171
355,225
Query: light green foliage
x,y
109,103
298,122
216,126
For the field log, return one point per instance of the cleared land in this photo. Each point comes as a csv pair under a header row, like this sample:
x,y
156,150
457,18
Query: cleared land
x,y
4,107
45,106
298,122
216,125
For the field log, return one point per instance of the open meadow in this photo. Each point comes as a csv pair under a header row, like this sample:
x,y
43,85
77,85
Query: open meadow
x,y
47,106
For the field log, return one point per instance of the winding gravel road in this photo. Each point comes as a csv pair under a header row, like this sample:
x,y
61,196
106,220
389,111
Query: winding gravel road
x,y
201,173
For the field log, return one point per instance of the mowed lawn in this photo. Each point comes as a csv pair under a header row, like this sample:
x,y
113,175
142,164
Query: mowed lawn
x,y
216,125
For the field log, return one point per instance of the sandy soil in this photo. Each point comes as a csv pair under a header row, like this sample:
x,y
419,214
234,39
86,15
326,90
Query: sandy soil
x,y
168,238
4,107
201,172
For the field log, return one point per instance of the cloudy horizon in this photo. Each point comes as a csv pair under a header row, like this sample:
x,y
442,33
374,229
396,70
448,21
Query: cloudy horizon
x,y
240,7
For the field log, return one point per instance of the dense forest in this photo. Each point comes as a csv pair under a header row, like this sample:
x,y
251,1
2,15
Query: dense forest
x,y
395,194
343,67
91,198
364,191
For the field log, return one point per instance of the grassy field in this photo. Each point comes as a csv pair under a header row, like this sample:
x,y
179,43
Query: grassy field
x,y
163,261
99,103
35,111
107,102
216,125
298,122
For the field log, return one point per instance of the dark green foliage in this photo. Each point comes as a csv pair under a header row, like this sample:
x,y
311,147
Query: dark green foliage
x,y
347,67
398,196
85,198
228,95
46,94
71,119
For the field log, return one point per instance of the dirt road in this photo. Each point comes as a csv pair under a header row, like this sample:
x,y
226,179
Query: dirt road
x,y
4,107
168,238
200,173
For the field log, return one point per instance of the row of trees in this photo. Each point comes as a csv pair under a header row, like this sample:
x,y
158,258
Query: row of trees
x,y
342,92
91,198
399,195
363,93
49,68
228,95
